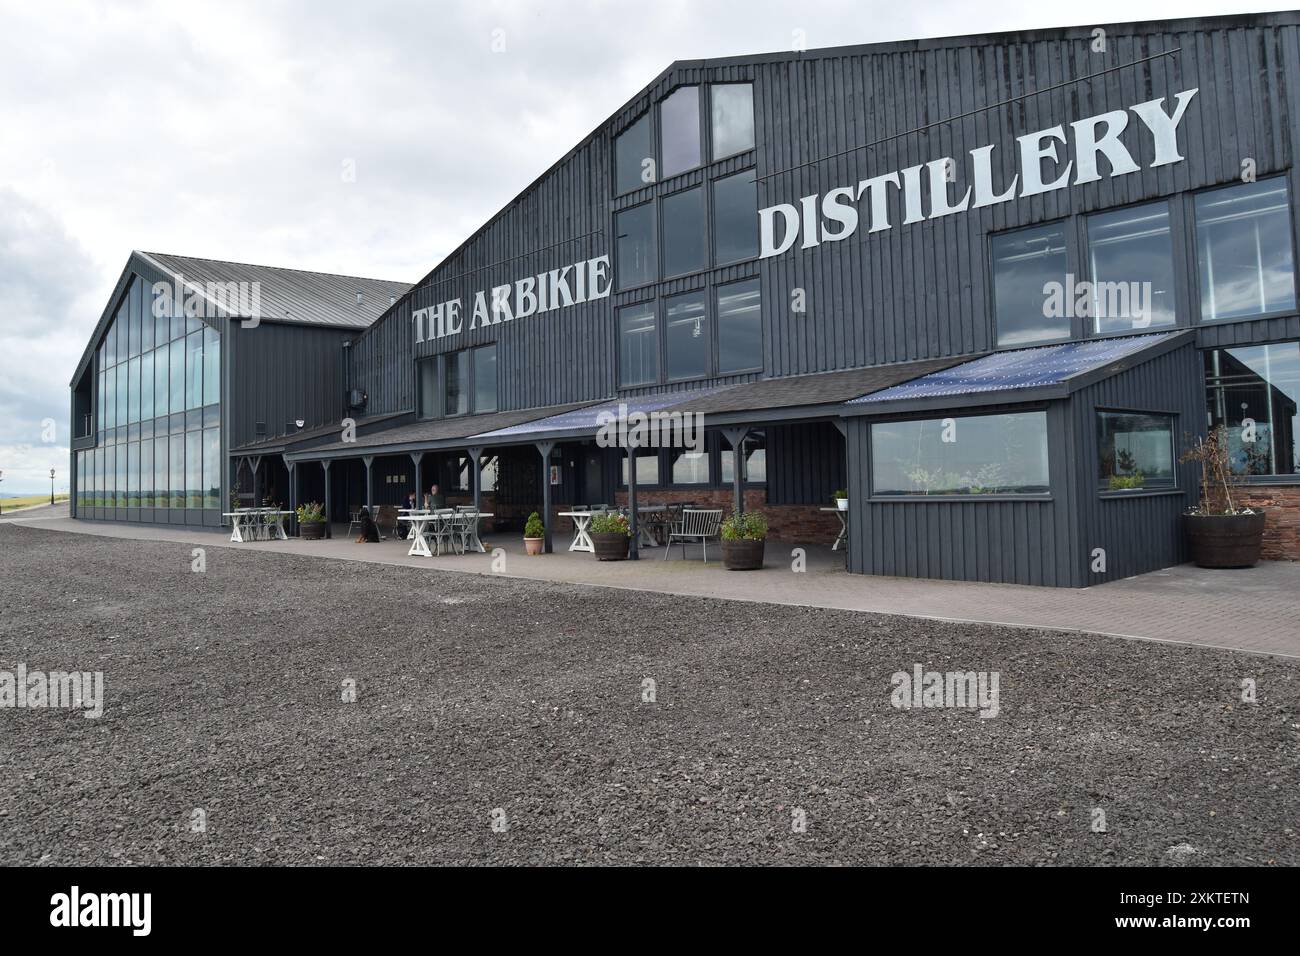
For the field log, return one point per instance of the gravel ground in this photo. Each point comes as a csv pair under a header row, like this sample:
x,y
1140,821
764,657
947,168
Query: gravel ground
x,y
481,700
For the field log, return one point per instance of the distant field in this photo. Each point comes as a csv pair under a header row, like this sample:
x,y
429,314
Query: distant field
x,y
30,500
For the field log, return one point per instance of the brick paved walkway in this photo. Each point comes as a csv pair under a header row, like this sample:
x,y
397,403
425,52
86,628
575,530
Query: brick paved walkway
x,y
1255,610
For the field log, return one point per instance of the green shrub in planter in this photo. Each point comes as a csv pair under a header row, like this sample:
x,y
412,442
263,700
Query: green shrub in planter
x,y
611,533
533,527
750,526
611,522
1127,482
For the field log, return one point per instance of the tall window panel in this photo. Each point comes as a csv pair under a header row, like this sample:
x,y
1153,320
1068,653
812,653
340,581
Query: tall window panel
x,y
161,496
1244,250
683,232
160,368
740,327
146,317
1131,257
120,483
101,380
635,259
679,129
133,474
485,379
735,218
688,343
176,362
110,398
211,366
456,383
123,405
194,469
1028,265
146,474
638,346
634,164
194,370
1255,392
427,381
133,390
161,319
176,470
134,321
733,118
211,467
110,343
146,385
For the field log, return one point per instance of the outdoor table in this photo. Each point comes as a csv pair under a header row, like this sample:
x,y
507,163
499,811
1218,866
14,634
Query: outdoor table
x,y
420,521
844,526
581,521
245,523
644,535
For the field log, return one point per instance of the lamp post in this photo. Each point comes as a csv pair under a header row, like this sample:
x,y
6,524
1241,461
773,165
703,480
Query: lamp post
x,y
51,486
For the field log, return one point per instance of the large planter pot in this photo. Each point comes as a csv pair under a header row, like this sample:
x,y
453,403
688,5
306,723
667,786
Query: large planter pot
x,y
610,545
1225,541
842,504
533,545
742,555
311,530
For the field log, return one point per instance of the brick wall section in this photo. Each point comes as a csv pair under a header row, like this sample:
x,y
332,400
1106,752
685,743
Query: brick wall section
x,y
1281,504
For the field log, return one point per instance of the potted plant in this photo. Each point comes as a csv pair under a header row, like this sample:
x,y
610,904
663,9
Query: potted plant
x,y
1220,533
534,534
743,536
610,535
311,521
841,499
1133,482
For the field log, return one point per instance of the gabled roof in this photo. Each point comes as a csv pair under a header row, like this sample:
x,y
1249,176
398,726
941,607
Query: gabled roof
x,y
292,295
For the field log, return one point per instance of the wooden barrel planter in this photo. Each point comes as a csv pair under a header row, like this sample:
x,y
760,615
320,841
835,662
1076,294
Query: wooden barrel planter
x,y
311,530
1225,541
742,555
610,545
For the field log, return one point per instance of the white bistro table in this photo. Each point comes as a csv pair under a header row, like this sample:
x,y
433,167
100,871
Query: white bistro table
x,y
581,522
844,526
420,521
246,524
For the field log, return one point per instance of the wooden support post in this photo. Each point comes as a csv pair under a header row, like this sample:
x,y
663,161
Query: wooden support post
x,y
736,437
544,448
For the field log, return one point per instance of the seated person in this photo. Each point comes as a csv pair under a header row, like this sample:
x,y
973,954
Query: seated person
x,y
369,530
435,499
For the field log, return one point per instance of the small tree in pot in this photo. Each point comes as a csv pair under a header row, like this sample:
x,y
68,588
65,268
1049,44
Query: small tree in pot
x,y
743,539
1220,532
841,499
311,521
610,534
534,534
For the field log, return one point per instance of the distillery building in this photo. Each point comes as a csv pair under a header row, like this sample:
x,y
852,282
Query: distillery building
x,y
988,286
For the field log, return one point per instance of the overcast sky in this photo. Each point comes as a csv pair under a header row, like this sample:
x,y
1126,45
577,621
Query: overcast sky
x,y
221,130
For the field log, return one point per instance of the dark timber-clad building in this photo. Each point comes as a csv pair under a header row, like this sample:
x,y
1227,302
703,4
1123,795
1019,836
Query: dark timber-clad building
x,y
989,285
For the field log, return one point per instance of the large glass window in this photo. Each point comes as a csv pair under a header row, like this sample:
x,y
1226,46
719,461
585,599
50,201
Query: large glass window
x,y
211,467
647,468
146,385
110,398
102,380
120,483
975,455
146,315
635,259
456,381
689,467
123,373
485,379
740,327
683,232
1255,392
427,375
194,371
1131,257
133,474
634,157
211,366
1028,265
755,450
133,322
735,218
638,353
1244,250
1135,450
161,322
688,343
679,126
733,118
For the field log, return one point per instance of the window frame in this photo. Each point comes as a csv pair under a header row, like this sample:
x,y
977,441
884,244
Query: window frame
x,y
1076,325
1174,487
1194,257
